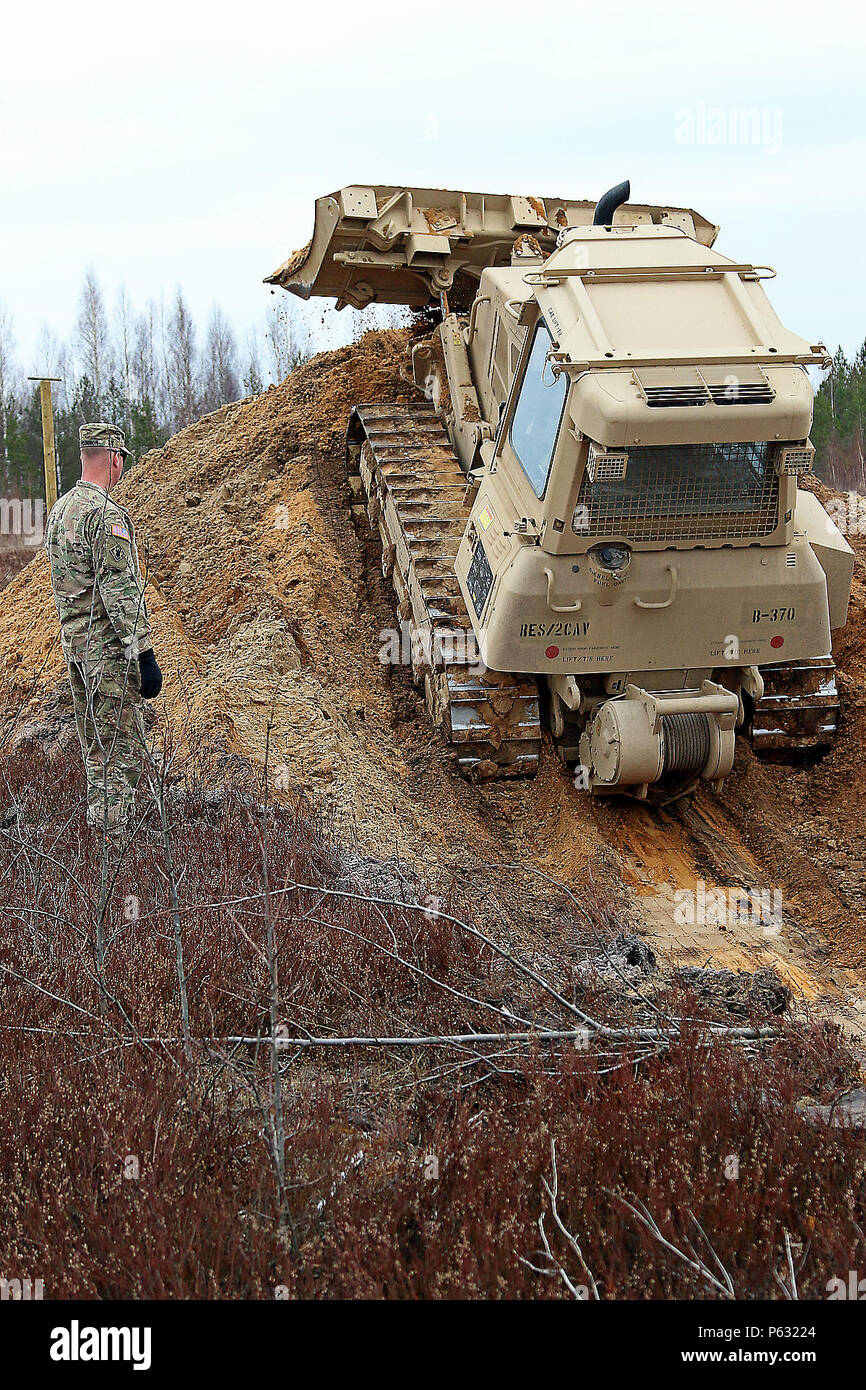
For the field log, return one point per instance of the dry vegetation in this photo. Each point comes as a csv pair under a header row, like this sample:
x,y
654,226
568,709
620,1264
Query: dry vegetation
x,y
133,1168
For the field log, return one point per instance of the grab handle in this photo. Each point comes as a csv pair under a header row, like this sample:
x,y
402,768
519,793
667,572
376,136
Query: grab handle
x,y
666,603
559,607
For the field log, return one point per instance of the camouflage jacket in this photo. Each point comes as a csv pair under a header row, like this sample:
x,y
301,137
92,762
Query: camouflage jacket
x,y
95,575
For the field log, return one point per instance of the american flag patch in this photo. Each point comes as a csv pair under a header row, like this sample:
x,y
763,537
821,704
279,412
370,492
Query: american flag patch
x,y
120,531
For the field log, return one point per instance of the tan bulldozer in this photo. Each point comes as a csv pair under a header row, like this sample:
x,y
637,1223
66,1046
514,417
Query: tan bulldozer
x,y
591,514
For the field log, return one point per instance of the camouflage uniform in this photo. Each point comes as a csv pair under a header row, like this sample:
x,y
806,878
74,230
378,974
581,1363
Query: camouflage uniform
x,y
99,595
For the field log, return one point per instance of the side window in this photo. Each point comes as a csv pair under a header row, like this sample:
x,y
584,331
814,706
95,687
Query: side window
x,y
538,413
515,354
498,359
497,329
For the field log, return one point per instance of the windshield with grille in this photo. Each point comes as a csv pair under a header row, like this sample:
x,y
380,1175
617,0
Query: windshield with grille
x,y
684,492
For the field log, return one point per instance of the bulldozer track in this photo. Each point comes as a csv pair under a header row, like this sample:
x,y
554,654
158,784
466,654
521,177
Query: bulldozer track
x,y
799,711
418,499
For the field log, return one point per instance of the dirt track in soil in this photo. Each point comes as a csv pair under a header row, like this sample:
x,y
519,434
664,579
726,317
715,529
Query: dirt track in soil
x,y
268,606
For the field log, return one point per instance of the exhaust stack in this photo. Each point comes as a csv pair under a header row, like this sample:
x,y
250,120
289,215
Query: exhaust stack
x,y
609,202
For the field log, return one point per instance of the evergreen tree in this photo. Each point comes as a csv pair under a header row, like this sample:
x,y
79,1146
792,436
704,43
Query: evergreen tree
x,y
837,429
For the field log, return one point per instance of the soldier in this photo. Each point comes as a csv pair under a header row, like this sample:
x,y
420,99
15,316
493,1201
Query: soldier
x,y
104,628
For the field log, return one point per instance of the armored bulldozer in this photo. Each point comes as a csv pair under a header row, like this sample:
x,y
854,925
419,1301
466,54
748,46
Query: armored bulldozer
x,y
591,514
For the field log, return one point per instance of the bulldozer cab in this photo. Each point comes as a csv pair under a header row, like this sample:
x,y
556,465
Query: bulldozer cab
x,y
645,393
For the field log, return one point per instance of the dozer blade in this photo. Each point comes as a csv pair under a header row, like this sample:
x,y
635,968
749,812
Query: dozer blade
x,y
799,711
418,500
390,245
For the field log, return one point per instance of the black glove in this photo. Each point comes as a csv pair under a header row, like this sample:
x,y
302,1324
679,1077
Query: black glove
x,y
151,676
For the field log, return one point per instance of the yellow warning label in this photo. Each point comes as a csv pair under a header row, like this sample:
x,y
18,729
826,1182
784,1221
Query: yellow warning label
x,y
485,518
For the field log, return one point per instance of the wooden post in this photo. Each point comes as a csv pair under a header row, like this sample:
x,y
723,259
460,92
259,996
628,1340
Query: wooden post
x,y
49,453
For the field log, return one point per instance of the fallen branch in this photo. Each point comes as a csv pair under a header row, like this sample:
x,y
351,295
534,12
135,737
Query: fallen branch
x,y
723,1286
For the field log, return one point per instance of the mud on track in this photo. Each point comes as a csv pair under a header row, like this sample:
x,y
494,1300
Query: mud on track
x,y
268,605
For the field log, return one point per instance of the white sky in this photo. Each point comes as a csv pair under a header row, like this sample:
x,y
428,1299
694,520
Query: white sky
x,y
180,143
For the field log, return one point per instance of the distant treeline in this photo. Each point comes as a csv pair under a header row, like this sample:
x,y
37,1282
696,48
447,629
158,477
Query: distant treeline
x,y
153,372
837,431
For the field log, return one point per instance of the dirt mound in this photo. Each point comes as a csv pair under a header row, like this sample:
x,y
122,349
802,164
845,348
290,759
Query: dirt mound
x,y
269,608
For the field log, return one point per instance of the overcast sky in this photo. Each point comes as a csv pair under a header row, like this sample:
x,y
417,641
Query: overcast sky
x,y
179,143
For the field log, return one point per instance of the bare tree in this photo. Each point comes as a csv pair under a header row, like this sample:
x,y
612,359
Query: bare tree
x,y
124,340
94,342
181,362
7,370
284,347
220,368
253,381
48,352
166,399
145,365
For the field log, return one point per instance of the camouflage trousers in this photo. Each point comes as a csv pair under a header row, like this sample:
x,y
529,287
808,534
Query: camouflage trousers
x,y
106,695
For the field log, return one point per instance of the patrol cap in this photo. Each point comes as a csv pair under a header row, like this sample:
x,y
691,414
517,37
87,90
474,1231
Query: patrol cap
x,y
102,436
